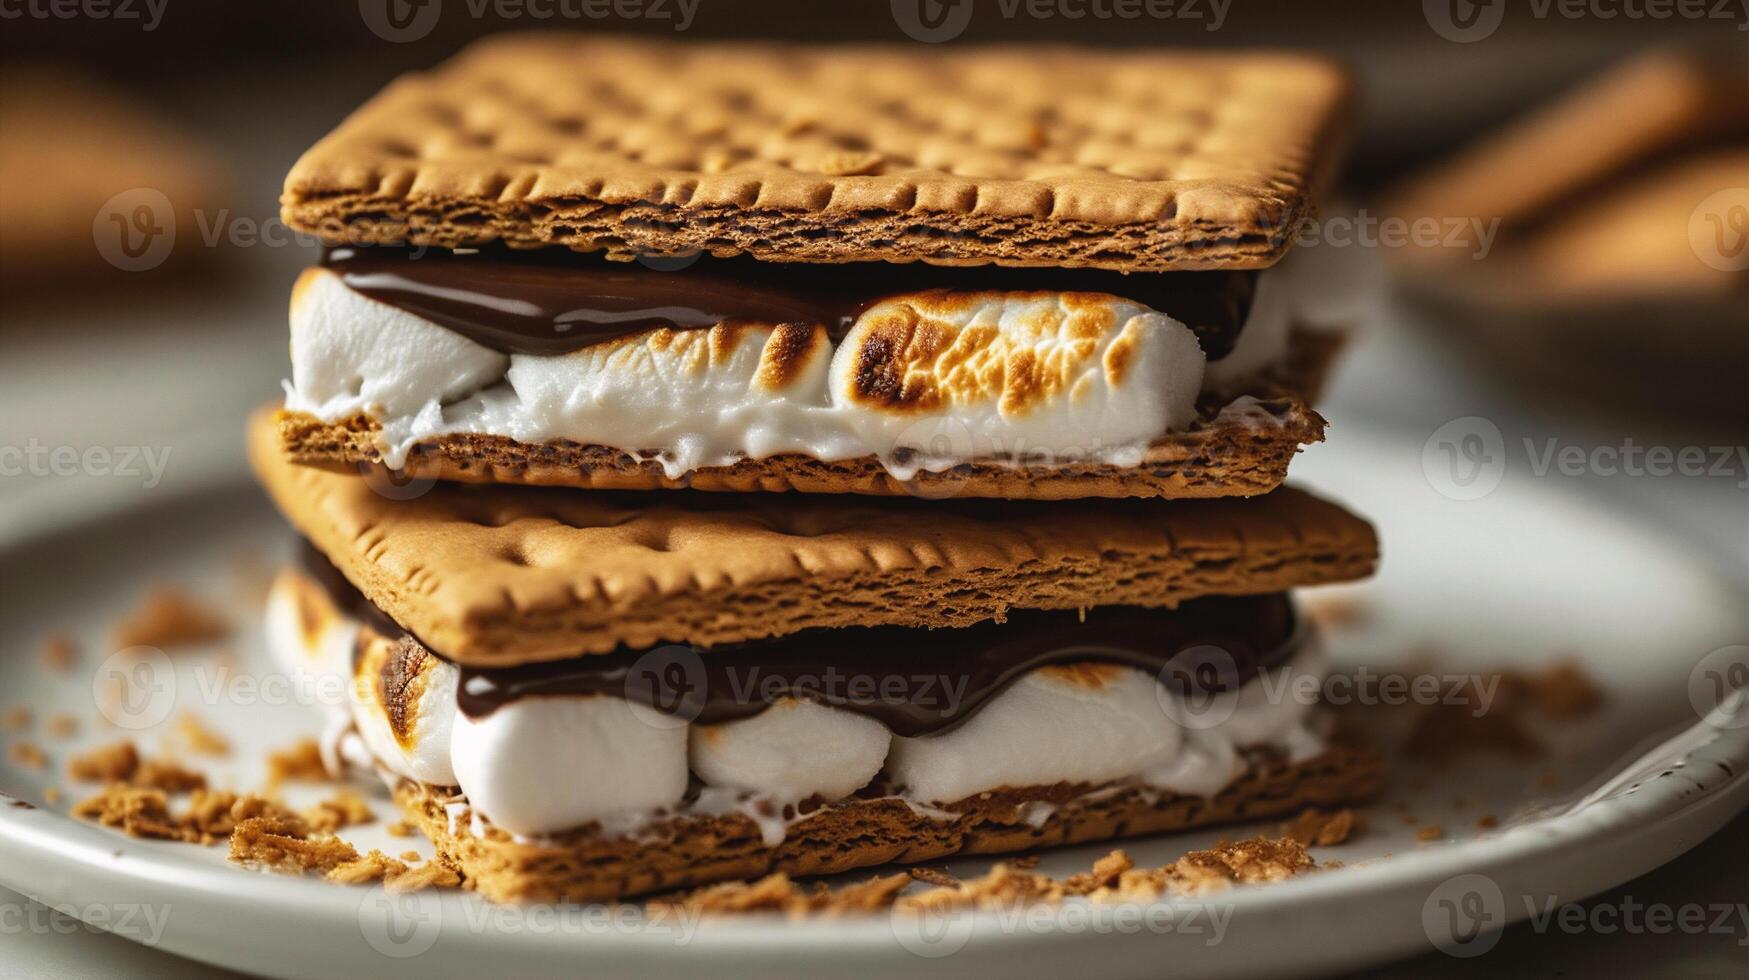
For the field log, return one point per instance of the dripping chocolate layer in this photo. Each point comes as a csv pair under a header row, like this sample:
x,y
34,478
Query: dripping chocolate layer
x,y
552,301
914,681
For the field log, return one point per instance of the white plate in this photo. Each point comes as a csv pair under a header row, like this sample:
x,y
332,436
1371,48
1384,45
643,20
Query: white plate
x,y
1522,575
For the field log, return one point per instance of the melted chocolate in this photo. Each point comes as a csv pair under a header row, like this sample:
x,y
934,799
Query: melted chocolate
x,y
914,681
552,301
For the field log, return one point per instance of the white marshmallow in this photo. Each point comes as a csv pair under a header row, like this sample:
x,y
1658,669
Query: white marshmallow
x,y
542,765
792,750
310,639
1263,342
423,752
1088,723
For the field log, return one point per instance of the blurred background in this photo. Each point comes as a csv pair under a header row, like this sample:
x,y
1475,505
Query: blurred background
x,y
1556,196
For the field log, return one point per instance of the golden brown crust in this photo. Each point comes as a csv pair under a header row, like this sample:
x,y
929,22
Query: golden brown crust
x,y
1024,156
684,852
502,575
1219,456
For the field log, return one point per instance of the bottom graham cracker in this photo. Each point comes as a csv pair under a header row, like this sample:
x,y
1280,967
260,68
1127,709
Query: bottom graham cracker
x,y
686,851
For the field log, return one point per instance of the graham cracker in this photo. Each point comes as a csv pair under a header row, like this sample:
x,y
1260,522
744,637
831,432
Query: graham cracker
x,y
1042,156
1218,456
502,575
685,851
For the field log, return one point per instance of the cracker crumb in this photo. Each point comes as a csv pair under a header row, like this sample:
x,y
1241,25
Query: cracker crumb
x,y
29,755
167,776
302,762
1321,828
931,876
431,874
144,811
1460,725
1338,612
1487,821
17,719
108,764
1430,832
61,726
400,828
200,739
281,844
59,653
51,794
375,866
411,856
778,893
169,617
1562,691
344,809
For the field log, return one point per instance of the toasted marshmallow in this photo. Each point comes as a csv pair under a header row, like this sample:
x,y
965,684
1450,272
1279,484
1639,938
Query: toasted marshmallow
x,y
311,640
542,765
792,750
950,376
405,707
1078,723
925,380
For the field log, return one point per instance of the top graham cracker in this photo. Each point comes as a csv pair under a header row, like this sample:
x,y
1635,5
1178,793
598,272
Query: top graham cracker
x,y
1027,156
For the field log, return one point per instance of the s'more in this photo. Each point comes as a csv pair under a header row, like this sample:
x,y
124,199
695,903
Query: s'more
x,y
1015,273
590,695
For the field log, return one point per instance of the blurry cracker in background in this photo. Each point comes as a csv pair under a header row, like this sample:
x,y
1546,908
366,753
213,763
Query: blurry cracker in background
x,y
72,144
1648,107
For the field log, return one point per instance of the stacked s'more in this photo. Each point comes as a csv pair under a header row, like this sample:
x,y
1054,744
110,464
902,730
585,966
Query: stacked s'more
x,y
720,459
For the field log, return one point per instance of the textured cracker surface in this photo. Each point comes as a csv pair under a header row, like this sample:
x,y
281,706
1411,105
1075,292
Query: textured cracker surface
x,y
1020,156
841,836
499,575
1216,457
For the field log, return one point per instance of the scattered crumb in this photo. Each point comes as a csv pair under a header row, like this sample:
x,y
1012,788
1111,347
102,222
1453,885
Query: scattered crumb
x,y
1432,831
17,719
302,762
931,876
1561,691
1487,821
1459,725
1321,828
108,764
28,755
432,874
167,776
200,739
169,617
411,856
142,811
59,654
62,726
777,893
51,794
344,809
400,828
282,844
